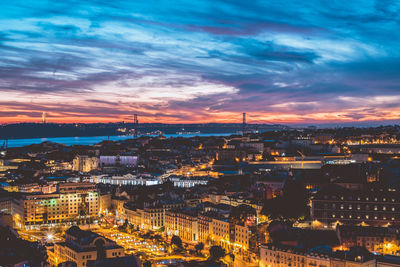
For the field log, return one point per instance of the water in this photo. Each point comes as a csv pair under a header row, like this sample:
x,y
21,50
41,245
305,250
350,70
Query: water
x,y
91,140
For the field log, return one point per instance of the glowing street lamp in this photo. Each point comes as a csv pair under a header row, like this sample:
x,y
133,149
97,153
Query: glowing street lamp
x,y
49,237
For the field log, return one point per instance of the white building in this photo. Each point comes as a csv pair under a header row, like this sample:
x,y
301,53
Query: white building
x,y
127,179
181,181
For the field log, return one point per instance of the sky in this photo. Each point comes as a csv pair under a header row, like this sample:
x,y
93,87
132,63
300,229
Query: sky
x,y
287,62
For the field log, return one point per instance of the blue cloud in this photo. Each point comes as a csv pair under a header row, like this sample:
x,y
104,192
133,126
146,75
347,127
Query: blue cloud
x,y
259,54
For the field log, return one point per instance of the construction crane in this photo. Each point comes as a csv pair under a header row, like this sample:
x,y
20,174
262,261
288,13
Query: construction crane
x,y
302,158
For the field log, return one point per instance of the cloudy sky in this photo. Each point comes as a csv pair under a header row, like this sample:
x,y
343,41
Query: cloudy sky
x,y
172,61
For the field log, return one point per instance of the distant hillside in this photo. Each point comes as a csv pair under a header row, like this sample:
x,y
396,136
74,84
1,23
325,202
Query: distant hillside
x,y
38,130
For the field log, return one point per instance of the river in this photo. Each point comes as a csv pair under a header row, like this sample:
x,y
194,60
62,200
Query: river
x,y
91,140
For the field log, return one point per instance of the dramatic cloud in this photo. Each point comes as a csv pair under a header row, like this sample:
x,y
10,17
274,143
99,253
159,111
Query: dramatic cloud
x,y
200,60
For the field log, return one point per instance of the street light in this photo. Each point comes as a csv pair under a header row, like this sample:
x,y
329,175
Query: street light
x,y
49,237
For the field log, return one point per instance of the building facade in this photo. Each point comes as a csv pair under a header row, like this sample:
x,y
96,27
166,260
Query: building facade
x,y
85,163
373,207
82,246
74,202
282,256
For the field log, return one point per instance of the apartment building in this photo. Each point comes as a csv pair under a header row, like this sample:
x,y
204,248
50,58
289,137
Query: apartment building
x,y
385,240
183,223
376,207
73,202
151,217
272,255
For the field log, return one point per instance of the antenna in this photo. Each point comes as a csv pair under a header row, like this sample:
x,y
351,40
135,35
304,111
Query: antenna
x,y
135,125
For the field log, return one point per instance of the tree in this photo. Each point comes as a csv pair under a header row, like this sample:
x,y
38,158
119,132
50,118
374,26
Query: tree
x,y
216,253
176,241
199,247
292,205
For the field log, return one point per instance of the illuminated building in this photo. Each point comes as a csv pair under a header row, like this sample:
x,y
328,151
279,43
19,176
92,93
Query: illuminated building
x,y
134,216
385,240
242,237
287,163
220,232
127,179
117,205
182,223
272,255
82,246
104,203
36,188
188,182
335,204
190,171
73,202
5,165
205,225
151,217
85,163
237,201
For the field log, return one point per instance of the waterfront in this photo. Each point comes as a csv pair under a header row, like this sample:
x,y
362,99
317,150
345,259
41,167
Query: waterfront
x,y
91,140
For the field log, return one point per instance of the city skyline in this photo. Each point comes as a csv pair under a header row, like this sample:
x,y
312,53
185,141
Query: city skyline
x,y
200,61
